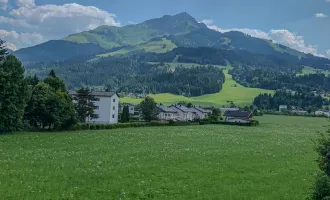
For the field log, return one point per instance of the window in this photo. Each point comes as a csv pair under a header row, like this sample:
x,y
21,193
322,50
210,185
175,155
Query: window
x,y
113,116
113,108
131,108
114,100
96,107
96,99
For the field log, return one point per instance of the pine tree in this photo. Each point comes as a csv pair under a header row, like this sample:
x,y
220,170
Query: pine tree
x,y
85,105
125,114
13,91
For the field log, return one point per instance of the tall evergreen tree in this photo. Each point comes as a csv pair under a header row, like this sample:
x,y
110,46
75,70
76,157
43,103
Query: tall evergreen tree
x,y
125,114
13,91
85,105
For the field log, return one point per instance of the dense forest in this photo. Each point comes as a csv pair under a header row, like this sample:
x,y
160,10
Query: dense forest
x,y
303,100
124,75
274,78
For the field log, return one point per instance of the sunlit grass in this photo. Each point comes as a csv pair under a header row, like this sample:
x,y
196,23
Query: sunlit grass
x,y
272,161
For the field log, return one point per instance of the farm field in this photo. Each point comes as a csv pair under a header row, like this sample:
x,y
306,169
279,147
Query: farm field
x,y
272,161
231,91
310,70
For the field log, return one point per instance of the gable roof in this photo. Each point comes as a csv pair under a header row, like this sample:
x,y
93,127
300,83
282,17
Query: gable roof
x,y
238,114
200,109
165,109
97,93
182,108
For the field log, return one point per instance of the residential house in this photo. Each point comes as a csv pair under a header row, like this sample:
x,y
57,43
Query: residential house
x,y
199,113
106,106
223,110
166,113
238,116
183,113
131,108
322,113
283,108
299,112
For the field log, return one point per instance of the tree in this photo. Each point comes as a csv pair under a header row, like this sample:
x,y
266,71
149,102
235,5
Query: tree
x,y
55,82
13,91
125,114
85,105
321,189
32,80
148,109
310,110
216,114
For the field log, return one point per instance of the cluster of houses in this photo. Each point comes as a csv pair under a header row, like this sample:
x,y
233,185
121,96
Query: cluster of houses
x,y
108,108
284,108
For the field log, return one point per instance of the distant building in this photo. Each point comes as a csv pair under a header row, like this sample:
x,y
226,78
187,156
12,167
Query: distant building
x,y
184,113
283,108
199,113
223,110
131,108
166,113
299,112
322,113
238,116
106,106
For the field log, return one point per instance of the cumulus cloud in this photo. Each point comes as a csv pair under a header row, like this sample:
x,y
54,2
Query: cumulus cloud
x,y
280,36
3,4
56,21
321,15
16,40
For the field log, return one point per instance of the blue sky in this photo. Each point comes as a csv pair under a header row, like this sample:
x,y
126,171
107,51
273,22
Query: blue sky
x,y
300,24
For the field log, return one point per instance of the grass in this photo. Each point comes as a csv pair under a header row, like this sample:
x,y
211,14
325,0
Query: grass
x,y
154,46
240,95
272,161
310,70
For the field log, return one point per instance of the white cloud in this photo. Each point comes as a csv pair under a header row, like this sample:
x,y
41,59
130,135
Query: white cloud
x,y
321,15
3,4
56,21
328,51
19,40
26,3
280,36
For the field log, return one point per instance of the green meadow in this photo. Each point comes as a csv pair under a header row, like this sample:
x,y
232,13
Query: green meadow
x,y
231,91
273,161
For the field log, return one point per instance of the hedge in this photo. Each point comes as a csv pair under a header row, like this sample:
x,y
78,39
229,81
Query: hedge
x,y
155,123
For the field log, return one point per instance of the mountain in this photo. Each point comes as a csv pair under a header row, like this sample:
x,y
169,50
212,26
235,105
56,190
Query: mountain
x,y
156,35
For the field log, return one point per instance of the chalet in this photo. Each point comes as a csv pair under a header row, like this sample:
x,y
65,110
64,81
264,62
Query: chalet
x,y
131,108
165,113
106,106
183,113
199,113
238,116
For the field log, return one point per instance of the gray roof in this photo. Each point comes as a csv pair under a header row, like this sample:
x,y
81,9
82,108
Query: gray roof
x,y
163,108
182,108
238,114
200,109
97,93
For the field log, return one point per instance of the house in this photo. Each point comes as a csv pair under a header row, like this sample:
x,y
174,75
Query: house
x,y
106,106
199,113
165,113
223,110
299,112
238,116
322,113
183,113
283,108
131,108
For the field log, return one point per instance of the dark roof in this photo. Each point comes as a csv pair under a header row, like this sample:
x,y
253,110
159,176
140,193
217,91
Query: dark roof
x,y
237,114
200,109
182,108
97,93
163,108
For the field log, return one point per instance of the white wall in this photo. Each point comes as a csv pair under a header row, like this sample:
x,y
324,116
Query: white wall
x,y
228,119
107,110
166,116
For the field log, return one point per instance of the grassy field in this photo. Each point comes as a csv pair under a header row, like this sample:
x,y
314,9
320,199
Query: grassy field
x,y
310,70
273,161
240,95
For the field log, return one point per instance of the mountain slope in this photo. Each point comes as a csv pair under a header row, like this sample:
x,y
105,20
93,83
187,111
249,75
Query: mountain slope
x,y
110,37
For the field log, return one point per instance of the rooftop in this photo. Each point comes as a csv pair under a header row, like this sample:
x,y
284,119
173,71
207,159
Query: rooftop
x,y
238,114
96,93
165,109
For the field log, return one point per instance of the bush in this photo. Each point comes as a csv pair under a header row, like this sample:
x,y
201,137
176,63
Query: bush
x,y
321,189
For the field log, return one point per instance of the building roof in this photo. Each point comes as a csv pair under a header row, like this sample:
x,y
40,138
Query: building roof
x,y
229,109
238,114
200,109
97,93
165,109
182,108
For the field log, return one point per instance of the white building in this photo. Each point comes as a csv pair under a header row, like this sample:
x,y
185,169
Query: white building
x,y
184,113
322,113
106,106
165,113
131,108
282,108
199,113
238,116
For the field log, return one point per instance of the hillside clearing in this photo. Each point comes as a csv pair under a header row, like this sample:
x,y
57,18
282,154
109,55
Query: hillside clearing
x,y
231,91
310,70
273,161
